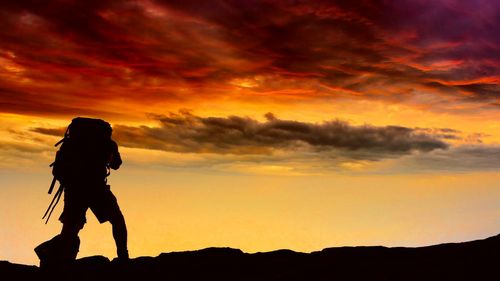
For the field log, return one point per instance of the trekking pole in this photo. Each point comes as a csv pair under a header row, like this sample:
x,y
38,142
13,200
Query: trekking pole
x,y
52,205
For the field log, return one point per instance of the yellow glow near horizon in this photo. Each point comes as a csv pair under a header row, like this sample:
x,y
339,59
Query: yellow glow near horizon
x,y
168,211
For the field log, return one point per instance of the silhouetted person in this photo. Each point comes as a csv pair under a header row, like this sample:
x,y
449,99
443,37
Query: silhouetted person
x,y
82,166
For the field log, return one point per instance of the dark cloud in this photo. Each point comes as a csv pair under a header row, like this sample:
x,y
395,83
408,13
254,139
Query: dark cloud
x,y
27,100
185,132
145,51
323,146
343,42
442,133
482,90
59,132
463,158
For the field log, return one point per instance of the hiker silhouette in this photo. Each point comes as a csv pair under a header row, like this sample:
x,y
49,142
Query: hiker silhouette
x,y
82,164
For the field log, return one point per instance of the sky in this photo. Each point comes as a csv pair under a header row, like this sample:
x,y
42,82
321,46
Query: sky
x,y
258,125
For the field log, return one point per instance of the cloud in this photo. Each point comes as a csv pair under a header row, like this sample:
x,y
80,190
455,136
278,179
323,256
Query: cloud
x,y
187,141
24,155
188,133
464,158
455,159
362,45
59,57
21,147
58,132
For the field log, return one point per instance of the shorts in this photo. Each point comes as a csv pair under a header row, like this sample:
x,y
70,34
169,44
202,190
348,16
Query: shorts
x,y
77,200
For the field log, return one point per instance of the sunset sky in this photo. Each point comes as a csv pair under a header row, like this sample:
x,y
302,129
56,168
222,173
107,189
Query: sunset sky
x,y
258,125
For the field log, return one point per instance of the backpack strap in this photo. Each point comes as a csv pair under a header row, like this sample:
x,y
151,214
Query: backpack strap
x,y
66,134
52,205
53,178
59,192
52,185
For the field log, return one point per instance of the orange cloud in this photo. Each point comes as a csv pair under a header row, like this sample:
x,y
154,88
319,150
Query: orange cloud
x,y
81,57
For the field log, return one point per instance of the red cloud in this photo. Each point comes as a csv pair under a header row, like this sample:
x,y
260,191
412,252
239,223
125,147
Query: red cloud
x,y
70,55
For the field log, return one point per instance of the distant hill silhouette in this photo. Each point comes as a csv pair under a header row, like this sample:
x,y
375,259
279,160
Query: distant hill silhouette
x,y
474,260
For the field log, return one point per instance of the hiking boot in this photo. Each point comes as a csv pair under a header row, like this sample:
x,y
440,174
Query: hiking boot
x,y
57,251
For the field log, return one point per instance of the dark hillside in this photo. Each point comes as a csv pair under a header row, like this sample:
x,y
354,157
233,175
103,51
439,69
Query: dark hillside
x,y
475,260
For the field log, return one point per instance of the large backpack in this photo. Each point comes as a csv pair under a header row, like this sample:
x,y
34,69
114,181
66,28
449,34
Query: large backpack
x,y
84,151
84,154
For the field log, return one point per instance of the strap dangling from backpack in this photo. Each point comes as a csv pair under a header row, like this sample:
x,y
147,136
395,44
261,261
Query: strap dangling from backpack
x,y
52,185
59,192
52,205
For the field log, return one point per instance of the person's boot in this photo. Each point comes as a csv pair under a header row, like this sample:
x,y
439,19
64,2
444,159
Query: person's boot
x,y
58,251
46,252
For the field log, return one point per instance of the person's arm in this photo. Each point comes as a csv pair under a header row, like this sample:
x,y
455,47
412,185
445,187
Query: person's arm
x,y
116,160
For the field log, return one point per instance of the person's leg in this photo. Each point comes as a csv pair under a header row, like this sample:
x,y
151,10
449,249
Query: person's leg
x,y
105,208
70,240
73,220
70,230
120,235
